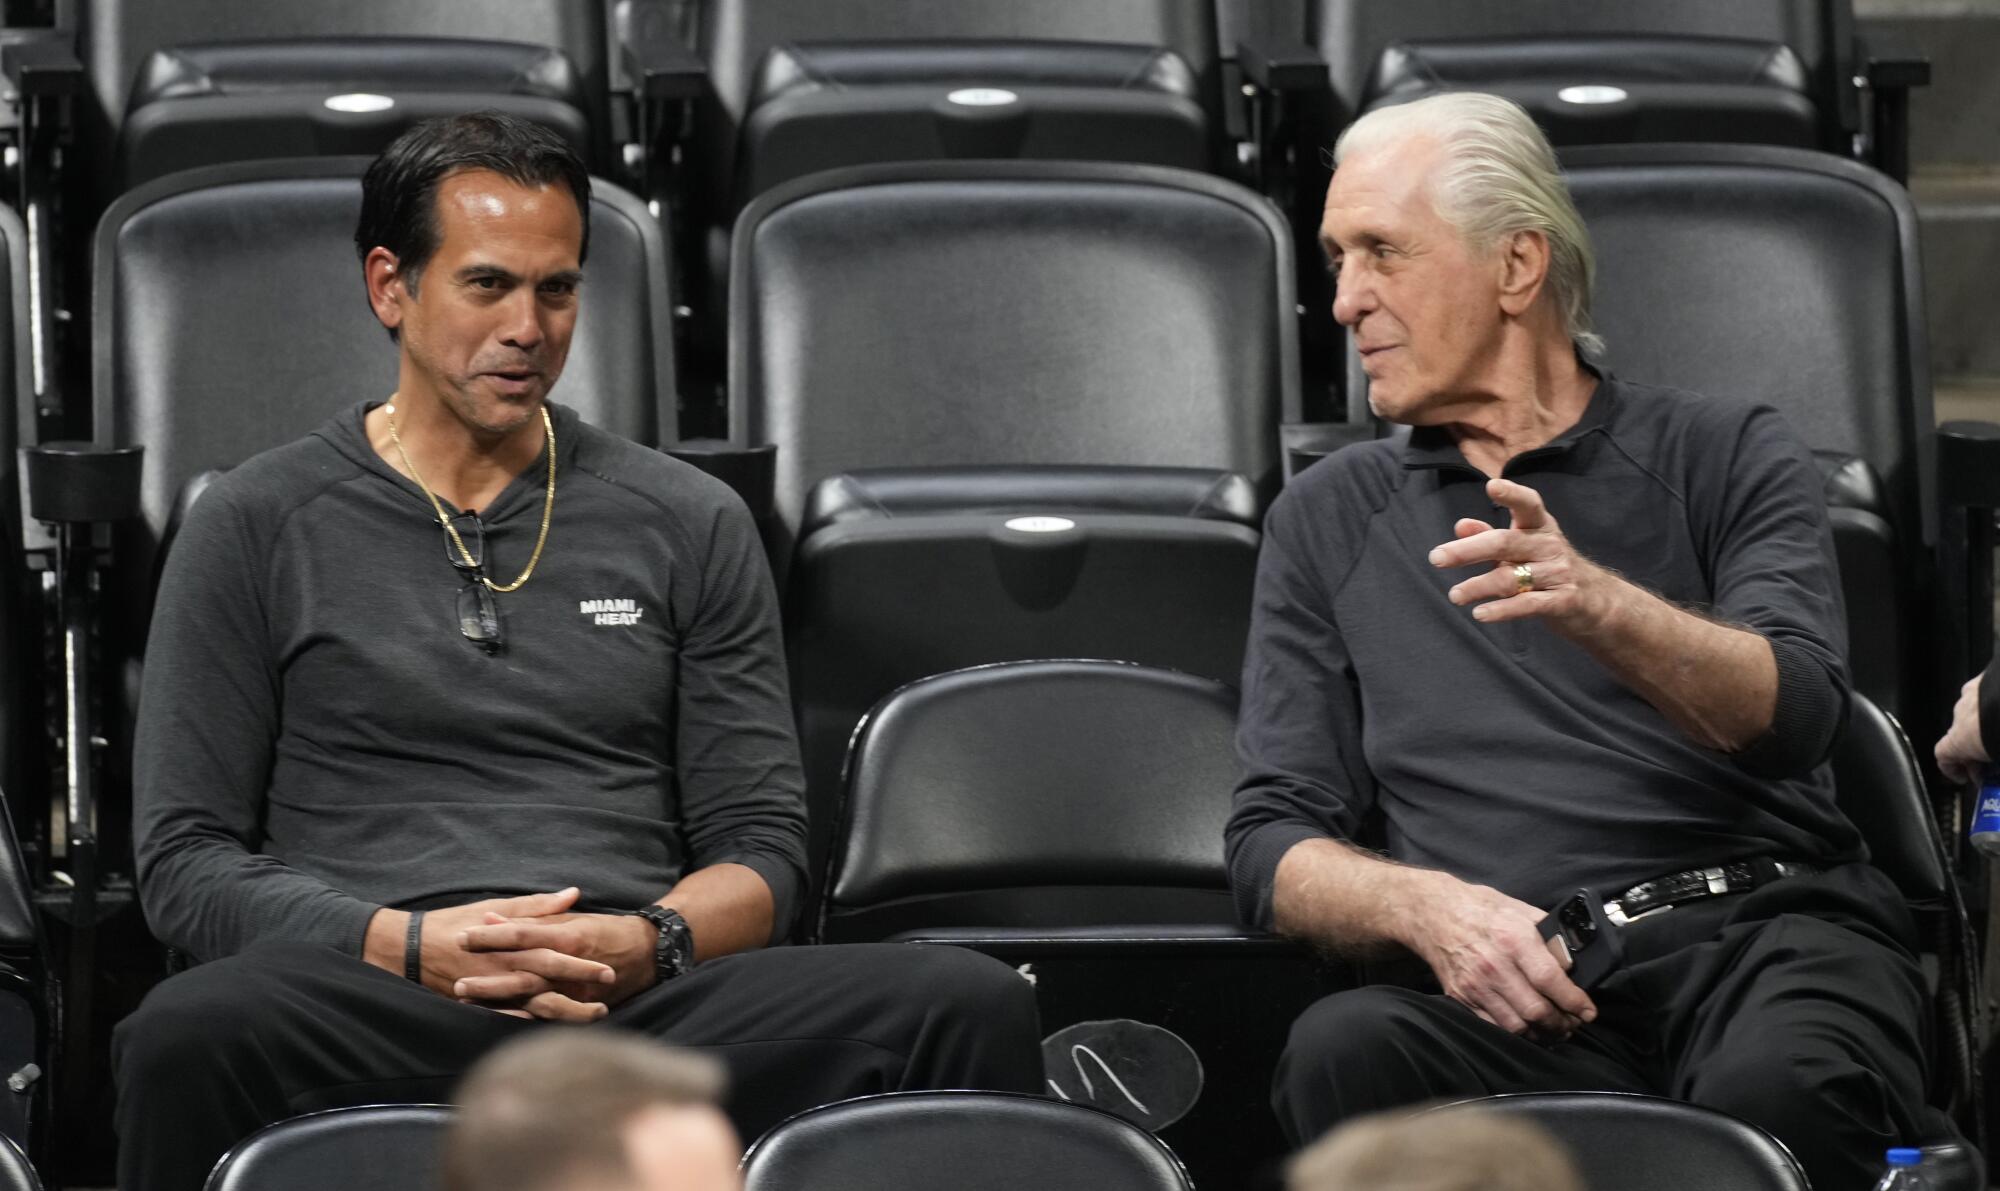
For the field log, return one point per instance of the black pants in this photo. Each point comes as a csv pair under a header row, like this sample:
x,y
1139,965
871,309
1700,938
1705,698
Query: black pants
x,y
217,1052
1797,1007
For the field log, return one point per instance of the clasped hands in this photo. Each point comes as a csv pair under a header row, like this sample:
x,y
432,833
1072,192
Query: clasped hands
x,y
532,957
1562,585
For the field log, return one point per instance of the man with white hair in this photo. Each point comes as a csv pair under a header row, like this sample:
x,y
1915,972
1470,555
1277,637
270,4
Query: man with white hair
x,y
1573,642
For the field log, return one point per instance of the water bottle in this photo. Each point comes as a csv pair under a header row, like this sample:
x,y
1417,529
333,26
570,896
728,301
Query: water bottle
x,y
1905,1173
1985,833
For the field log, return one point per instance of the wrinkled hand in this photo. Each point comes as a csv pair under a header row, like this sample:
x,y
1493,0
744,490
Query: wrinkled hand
x,y
1962,752
622,944
1566,584
1488,954
549,978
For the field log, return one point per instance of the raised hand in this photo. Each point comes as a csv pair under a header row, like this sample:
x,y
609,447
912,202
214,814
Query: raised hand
x,y
1536,572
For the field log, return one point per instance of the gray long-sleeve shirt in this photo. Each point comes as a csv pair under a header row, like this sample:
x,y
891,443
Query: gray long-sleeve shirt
x,y
317,739
1375,710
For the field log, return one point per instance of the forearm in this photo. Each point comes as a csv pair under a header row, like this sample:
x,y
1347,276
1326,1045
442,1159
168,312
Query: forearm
x,y
1352,901
1715,682
728,908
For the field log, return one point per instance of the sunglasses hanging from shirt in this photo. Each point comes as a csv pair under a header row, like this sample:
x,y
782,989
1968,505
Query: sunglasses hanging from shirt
x,y
478,611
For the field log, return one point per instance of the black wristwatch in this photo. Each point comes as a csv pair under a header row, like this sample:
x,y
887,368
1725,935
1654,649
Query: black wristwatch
x,y
673,951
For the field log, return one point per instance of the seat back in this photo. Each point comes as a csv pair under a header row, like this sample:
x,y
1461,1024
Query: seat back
x,y
231,317
824,105
1352,34
1624,1142
1041,794
204,104
999,313
20,622
906,573
16,1174
1789,277
966,1141
1881,790
378,1147
116,37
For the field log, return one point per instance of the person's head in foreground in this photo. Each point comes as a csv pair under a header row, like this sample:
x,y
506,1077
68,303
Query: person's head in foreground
x,y
1462,264
591,1110
1468,1150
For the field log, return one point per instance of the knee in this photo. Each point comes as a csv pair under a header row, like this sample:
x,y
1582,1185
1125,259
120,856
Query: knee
x,y
206,1015
965,986
1358,1029
1805,1094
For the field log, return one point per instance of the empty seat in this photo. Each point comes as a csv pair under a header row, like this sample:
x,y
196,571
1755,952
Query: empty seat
x,y
879,75
821,105
1611,89
266,98
196,104
1011,339
1713,66
959,1141
1623,1142
1003,313
1027,797
900,574
1068,815
377,1147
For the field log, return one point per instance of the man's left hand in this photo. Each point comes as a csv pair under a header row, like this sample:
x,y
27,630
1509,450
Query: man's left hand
x,y
623,942
1567,588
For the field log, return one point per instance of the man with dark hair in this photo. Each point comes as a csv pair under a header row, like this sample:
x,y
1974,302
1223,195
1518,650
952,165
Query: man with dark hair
x,y
591,1110
460,714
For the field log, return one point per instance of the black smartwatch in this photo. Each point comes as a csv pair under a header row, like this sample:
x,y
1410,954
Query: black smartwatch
x,y
673,951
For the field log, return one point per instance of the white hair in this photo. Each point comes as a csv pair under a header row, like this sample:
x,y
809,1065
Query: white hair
x,y
1499,177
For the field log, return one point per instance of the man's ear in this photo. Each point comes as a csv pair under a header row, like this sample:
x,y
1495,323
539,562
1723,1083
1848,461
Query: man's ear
x,y
387,290
1524,265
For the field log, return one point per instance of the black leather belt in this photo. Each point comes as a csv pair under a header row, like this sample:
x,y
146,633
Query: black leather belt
x,y
1739,876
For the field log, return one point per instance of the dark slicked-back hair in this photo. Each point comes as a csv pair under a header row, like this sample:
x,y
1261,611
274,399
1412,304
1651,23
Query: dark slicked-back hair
x,y
399,191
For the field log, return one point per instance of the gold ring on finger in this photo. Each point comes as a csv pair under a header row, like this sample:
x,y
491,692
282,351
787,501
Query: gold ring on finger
x,y
1524,578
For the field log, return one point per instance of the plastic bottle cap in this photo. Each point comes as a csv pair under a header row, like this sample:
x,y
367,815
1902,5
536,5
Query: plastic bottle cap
x,y
1905,1157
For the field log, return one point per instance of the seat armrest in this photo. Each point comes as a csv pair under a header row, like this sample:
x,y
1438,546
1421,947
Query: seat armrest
x,y
662,69
751,471
1892,63
1968,458
1282,66
42,63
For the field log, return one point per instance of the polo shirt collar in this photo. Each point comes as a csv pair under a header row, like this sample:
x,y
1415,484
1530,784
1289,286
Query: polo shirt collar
x,y
1432,447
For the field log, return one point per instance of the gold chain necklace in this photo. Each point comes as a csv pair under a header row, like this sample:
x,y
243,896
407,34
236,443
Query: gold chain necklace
x,y
548,503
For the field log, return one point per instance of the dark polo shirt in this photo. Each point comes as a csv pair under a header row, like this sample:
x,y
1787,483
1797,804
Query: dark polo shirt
x,y
1376,711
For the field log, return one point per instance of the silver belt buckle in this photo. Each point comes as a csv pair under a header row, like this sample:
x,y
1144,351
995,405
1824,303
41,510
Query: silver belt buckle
x,y
1614,911
1718,881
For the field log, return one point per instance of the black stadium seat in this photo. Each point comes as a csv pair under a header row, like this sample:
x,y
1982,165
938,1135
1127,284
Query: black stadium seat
x,y
971,324
266,99
891,64
1623,1142
195,104
1068,815
959,1141
1018,799
1767,71
822,105
377,1147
